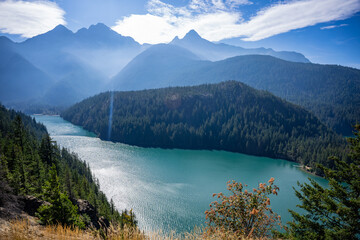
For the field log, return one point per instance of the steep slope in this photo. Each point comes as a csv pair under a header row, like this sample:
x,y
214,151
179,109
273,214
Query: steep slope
x,y
19,79
154,68
226,116
215,52
29,158
330,91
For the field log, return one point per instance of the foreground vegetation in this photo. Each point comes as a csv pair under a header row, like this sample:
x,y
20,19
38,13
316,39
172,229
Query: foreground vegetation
x,y
31,164
226,116
330,213
24,230
333,212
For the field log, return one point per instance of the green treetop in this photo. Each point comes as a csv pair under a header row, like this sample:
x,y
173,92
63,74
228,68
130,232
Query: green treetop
x,y
333,212
60,210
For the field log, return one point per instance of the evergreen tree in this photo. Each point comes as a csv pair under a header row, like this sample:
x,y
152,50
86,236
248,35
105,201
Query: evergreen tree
x,y
26,156
46,150
112,206
334,212
19,132
60,210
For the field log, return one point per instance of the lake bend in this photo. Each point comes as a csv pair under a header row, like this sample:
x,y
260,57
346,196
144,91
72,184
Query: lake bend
x,y
170,189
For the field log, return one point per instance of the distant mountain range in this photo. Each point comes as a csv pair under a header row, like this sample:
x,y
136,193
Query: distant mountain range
x,y
72,65
60,67
207,50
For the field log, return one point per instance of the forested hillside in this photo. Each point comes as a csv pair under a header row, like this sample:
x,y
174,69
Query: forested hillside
x,y
32,164
331,92
226,116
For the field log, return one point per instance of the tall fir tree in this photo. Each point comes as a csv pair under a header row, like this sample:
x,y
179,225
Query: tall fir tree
x,y
333,212
60,210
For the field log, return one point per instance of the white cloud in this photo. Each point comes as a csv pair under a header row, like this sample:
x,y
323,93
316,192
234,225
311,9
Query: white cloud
x,y
164,21
29,18
333,26
219,19
282,18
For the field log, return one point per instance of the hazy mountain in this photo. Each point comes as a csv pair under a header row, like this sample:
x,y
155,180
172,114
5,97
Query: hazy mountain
x,y
219,51
226,116
20,80
67,91
75,79
78,64
330,91
104,49
100,35
154,68
97,47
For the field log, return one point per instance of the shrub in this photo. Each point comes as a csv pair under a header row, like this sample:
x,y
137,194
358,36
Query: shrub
x,y
244,213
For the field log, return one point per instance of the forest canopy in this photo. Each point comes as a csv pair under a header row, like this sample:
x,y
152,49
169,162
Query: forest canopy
x,y
227,116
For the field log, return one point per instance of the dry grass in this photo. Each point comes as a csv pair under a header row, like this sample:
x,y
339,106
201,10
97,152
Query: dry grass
x,y
26,229
130,234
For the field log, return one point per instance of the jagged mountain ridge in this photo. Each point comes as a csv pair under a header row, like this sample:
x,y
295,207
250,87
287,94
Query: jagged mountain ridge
x,y
78,64
220,51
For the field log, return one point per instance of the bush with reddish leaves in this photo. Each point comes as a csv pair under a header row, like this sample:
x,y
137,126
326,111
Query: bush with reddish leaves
x,y
244,213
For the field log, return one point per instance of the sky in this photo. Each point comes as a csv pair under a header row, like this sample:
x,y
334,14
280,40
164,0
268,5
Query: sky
x,y
325,31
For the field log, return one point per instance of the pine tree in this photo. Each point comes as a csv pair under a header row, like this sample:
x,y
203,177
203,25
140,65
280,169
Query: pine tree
x,y
333,212
46,150
19,132
60,210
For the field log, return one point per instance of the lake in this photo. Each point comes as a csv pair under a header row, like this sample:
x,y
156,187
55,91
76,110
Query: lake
x,y
170,189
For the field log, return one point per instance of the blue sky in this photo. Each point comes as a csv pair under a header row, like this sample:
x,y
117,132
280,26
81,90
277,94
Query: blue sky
x,y
325,31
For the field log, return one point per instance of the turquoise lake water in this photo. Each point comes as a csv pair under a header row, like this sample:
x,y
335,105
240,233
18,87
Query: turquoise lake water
x,y
171,188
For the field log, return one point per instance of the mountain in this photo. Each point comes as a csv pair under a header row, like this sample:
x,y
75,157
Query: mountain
x,y
154,68
74,78
97,47
75,86
20,80
65,67
227,116
100,35
219,51
58,37
104,49
329,91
